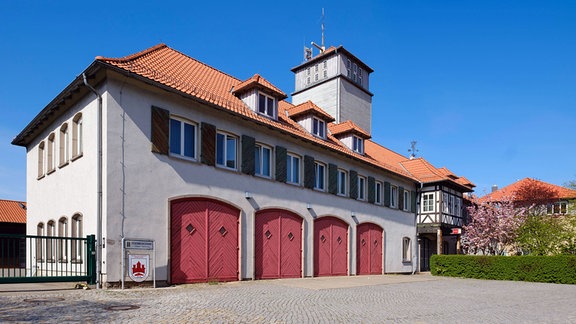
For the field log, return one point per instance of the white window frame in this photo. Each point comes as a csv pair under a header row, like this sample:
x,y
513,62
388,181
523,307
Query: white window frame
x,y
293,169
266,110
182,136
342,189
51,154
318,127
458,206
357,144
428,202
77,134
319,169
393,196
76,232
362,187
559,207
407,200
63,145
62,249
222,161
378,192
406,249
445,203
50,248
259,161
41,154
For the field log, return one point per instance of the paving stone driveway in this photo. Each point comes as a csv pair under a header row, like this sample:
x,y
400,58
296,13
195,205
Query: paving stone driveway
x,y
373,299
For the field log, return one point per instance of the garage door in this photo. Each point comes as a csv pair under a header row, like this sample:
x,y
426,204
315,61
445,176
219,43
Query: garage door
x,y
204,241
330,247
278,236
369,249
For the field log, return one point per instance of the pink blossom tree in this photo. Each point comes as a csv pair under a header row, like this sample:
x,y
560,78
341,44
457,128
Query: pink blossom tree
x,y
492,226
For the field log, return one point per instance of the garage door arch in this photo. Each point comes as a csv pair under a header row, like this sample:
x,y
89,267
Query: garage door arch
x,y
369,249
204,242
278,244
330,247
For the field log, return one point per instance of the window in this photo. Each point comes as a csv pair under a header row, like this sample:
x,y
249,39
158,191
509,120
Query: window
x,y
342,188
406,248
357,144
39,245
76,248
393,196
445,203
266,105
77,136
359,76
293,169
355,72
318,127
319,176
557,208
50,231
64,145
406,200
226,150
50,155
427,202
451,204
361,188
349,69
263,160
378,193
458,206
62,232
41,159
182,138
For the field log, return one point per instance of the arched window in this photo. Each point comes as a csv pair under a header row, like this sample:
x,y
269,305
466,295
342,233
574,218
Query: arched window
x,y
64,145
39,245
77,140
406,250
41,159
51,156
51,232
62,246
76,248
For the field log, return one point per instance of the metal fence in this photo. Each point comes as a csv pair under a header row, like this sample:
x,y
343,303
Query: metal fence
x,y
30,258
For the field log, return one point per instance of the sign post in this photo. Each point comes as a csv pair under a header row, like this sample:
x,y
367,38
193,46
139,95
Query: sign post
x,y
138,253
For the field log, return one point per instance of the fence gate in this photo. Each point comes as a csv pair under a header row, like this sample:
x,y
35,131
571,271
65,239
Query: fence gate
x,y
30,258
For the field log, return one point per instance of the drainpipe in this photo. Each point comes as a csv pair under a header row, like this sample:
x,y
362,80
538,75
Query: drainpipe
x,y
417,245
99,243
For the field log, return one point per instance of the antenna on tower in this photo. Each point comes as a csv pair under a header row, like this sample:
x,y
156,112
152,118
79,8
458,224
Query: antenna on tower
x,y
413,150
322,48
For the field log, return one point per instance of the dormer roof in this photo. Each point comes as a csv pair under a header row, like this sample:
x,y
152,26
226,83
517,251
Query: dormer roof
x,y
309,108
348,127
12,211
257,81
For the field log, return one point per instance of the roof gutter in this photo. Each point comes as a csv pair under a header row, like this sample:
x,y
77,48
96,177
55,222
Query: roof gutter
x,y
99,243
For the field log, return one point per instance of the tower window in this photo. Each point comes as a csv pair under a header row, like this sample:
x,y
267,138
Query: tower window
x,y
266,105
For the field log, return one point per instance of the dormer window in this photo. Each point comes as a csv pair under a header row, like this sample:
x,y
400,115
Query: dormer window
x,y
318,127
266,105
357,144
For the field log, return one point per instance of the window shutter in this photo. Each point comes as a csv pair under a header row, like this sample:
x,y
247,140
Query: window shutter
x,y
308,172
160,132
281,163
371,190
248,154
353,184
413,196
401,198
332,178
208,155
387,194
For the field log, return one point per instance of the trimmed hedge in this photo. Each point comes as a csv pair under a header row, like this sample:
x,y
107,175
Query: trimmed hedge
x,y
553,269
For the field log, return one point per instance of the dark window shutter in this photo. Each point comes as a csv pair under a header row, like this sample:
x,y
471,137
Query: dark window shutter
x,y
308,172
371,190
413,196
248,154
281,163
160,133
208,155
387,194
401,198
353,184
332,178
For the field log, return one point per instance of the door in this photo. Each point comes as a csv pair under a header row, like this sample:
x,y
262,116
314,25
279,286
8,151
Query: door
x,y
204,241
369,249
427,248
330,247
278,244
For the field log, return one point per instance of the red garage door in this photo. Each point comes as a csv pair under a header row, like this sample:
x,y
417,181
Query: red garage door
x,y
369,249
204,241
330,247
278,236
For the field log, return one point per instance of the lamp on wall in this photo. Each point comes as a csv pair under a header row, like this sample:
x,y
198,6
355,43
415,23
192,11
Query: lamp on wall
x,y
354,218
248,195
308,206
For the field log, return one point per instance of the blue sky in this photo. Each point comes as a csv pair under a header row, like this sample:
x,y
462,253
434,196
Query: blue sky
x,y
486,88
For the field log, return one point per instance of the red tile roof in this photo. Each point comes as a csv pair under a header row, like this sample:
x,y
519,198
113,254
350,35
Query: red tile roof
x,y
12,212
348,127
256,81
309,107
510,190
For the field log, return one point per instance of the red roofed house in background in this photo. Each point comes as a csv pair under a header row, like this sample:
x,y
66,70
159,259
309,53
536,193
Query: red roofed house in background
x,y
12,221
229,179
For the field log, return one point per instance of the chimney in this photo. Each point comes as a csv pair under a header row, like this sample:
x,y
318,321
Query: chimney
x,y
494,188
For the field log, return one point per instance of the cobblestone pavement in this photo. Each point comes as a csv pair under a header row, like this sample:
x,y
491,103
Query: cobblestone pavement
x,y
375,299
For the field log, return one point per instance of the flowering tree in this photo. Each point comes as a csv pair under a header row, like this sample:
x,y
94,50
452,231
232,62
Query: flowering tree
x,y
492,226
